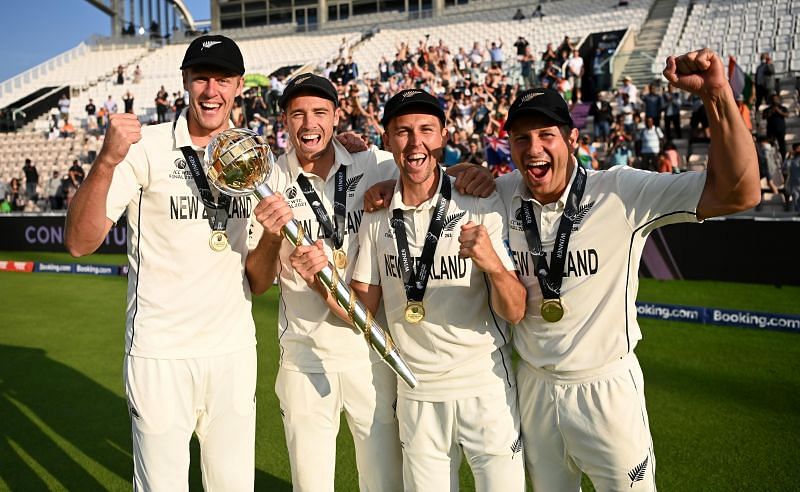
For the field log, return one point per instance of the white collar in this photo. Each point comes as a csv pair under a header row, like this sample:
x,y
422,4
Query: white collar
x,y
397,197
180,131
341,158
524,193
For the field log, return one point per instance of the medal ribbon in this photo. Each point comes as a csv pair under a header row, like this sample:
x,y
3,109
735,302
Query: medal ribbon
x,y
551,276
216,210
416,281
333,229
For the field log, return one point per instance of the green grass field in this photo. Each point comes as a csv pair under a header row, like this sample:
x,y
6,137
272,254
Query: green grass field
x,y
723,402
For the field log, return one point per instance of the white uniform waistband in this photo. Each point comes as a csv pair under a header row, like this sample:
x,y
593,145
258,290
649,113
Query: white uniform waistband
x,y
585,376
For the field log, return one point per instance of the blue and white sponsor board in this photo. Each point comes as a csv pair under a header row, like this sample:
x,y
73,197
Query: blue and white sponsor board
x,y
44,267
716,316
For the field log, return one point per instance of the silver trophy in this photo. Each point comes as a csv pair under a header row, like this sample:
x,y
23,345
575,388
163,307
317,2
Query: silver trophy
x,y
239,164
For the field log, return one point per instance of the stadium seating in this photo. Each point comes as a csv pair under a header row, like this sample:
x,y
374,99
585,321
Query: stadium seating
x,y
85,68
743,29
739,28
573,18
160,68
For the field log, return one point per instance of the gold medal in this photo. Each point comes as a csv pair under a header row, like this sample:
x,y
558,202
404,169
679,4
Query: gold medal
x,y
339,259
552,310
415,312
218,241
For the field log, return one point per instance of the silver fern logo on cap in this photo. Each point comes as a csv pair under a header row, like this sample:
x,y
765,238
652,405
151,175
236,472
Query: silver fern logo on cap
x,y
528,97
209,44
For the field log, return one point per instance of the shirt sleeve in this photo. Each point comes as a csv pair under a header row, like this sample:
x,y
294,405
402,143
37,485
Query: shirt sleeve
x,y
506,184
657,199
130,176
386,166
366,269
494,219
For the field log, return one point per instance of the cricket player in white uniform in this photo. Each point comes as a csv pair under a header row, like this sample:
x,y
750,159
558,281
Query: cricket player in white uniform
x,y
446,311
326,366
577,237
190,364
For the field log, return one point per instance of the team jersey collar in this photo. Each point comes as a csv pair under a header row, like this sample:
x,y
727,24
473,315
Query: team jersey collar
x,y
341,158
525,194
397,197
180,131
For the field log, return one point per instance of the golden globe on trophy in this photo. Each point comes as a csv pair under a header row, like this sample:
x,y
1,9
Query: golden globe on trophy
x,y
239,164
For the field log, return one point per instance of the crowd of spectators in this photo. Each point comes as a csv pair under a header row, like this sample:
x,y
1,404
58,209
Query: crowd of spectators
x,y
54,193
475,86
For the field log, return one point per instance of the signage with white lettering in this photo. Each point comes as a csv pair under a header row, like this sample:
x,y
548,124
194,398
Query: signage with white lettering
x,y
46,233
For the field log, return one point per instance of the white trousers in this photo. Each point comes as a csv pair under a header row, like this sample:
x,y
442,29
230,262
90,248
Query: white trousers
x,y
590,421
485,428
213,397
312,404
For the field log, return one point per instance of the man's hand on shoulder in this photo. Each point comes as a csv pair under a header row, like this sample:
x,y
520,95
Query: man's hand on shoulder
x,y
472,179
352,142
379,195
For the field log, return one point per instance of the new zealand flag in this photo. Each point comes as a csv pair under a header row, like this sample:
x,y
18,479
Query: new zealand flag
x,y
497,151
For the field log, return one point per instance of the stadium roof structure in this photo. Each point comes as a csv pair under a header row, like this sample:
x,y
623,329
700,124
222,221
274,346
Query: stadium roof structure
x,y
109,10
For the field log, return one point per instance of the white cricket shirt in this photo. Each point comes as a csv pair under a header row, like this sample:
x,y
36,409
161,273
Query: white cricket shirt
x,y
184,299
454,350
312,339
619,208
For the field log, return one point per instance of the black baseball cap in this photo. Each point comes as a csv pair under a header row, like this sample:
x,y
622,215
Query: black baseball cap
x,y
214,51
411,99
312,83
543,101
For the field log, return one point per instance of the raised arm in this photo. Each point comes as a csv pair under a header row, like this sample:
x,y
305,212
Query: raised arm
x,y
87,224
732,181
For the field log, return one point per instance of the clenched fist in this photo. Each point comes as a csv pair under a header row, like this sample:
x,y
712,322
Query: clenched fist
x,y
273,213
700,72
475,244
123,131
307,261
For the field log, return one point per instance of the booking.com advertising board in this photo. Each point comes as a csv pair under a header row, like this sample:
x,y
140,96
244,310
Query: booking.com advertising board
x,y
716,316
46,233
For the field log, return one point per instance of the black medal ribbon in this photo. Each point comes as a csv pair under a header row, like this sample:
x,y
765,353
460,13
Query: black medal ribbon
x,y
551,276
416,280
216,209
333,229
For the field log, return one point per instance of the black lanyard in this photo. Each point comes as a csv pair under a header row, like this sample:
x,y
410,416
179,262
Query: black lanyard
x,y
216,210
416,280
333,229
551,276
